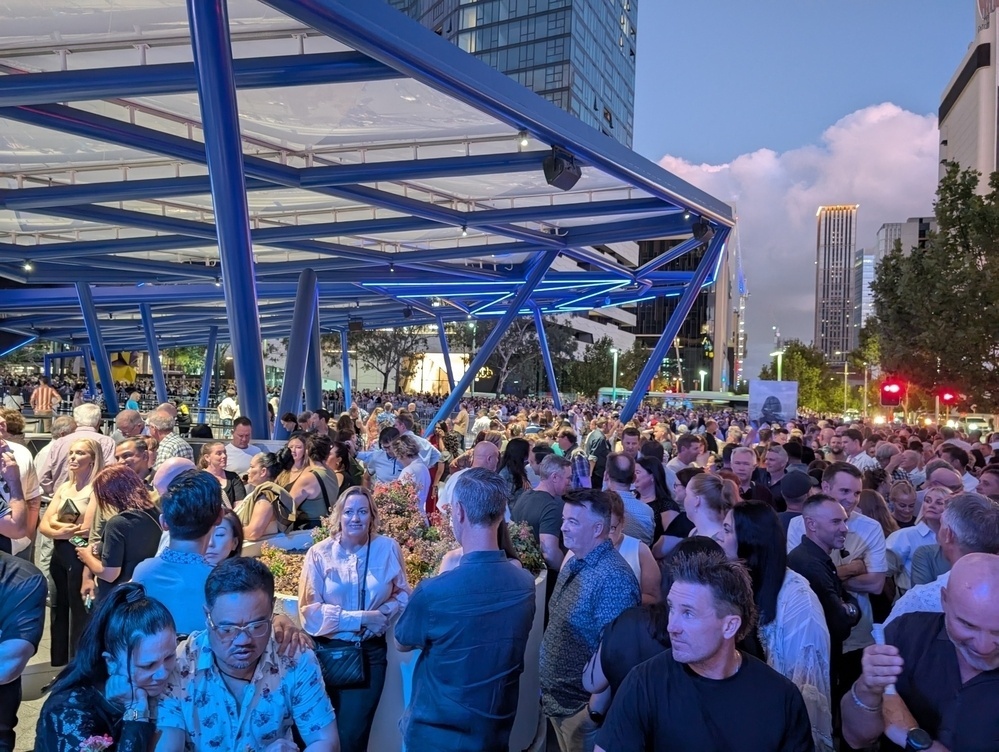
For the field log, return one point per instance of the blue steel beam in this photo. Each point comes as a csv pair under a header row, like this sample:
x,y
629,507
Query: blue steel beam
x,y
538,269
211,350
89,125
671,255
299,343
631,229
177,78
88,370
446,352
97,346
546,358
345,370
686,302
383,33
25,199
314,363
209,23
155,364
47,359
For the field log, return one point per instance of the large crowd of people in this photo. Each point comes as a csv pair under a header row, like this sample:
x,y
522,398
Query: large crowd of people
x,y
712,584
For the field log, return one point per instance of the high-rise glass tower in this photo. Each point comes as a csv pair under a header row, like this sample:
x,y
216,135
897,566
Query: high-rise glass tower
x,y
579,54
835,249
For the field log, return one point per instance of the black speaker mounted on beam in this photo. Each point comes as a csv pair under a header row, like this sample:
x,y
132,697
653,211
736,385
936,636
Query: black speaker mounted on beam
x,y
355,325
561,170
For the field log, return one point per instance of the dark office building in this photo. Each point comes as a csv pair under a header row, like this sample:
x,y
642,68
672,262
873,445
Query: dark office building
x,y
579,54
702,343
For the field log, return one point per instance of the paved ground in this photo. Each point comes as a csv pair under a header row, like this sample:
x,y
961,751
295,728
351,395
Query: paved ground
x,y
37,675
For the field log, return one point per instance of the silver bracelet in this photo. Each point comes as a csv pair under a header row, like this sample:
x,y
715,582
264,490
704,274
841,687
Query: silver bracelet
x,y
857,701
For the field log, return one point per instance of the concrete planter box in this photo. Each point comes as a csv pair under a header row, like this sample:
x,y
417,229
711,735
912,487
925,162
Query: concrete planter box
x,y
385,735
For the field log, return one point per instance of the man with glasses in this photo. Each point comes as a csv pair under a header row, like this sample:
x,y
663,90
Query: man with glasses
x,y
379,464
232,689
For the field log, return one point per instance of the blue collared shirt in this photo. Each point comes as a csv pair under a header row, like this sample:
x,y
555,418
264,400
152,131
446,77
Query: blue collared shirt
x,y
379,465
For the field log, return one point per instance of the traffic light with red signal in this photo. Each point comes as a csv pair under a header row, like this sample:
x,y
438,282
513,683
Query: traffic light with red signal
x,y
948,396
892,392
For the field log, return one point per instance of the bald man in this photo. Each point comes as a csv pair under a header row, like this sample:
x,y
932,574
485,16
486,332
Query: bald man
x,y
945,668
484,455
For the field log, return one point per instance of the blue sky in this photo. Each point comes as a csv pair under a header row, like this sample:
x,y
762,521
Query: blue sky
x,y
781,106
775,74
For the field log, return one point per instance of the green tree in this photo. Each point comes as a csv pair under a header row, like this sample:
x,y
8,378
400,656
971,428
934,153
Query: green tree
x,y
190,360
27,355
819,387
936,306
390,351
630,364
593,370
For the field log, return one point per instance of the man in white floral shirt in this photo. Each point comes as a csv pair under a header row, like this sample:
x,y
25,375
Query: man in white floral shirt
x,y
231,689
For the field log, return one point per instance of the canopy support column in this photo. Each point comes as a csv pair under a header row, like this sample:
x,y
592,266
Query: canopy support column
x,y
97,346
217,101
88,369
298,349
711,255
206,380
546,357
345,360
534,276
445,351
155,364
314,363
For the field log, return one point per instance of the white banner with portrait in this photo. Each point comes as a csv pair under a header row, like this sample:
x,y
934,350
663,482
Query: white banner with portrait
x,y
773,401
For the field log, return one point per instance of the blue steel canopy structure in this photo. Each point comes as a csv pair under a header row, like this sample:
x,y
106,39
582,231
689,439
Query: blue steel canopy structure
x,y
168,173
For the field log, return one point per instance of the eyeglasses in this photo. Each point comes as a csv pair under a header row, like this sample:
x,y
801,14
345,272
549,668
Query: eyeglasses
x,y
228,632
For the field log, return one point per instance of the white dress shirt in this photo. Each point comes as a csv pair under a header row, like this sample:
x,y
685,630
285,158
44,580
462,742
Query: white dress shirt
x,y
903,543
330,588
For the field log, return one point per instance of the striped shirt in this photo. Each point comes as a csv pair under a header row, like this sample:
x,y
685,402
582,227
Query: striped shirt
x,y
44,398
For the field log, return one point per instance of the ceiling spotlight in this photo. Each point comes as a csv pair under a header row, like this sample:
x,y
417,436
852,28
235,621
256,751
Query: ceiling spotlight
x,y
110,316
218,281
522,136
407,312
686,215
392,268
27,266
464,231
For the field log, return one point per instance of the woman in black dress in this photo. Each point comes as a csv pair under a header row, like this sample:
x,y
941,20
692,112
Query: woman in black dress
x,y
110,688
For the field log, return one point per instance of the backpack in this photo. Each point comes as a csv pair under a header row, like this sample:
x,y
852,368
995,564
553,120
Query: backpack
x,y
285,511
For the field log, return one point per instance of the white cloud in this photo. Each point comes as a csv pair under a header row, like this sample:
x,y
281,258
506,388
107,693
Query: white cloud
x,y
881,157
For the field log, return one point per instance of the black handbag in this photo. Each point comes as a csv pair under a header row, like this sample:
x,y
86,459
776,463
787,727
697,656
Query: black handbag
x,y
342,661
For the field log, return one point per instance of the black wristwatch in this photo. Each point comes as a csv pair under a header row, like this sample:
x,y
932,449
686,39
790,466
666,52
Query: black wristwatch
x,y
918,738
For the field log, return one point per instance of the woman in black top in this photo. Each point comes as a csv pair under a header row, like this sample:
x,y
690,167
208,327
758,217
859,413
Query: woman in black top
x,y
651,487
110,688
131,533
214,460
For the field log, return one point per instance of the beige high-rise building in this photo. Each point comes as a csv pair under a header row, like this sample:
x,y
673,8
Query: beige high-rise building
x,y
835,248
967,115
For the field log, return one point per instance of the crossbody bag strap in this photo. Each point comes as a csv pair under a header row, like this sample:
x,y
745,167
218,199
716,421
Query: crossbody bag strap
x,y
362,585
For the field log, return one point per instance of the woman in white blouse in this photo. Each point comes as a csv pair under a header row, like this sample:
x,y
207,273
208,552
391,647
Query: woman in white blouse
x,y
406,451
354,587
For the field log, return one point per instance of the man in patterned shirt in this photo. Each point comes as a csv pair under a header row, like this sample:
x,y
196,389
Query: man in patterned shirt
x,y
593,588
232,689
577,458
170,445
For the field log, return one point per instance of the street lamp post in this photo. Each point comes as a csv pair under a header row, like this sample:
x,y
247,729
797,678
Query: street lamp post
x,y
702,374
780,363
865,390
471,352
614,376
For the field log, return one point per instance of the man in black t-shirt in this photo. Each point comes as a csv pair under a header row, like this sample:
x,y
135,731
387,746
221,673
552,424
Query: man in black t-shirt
x,y
945,668
542,509
704,693
22,608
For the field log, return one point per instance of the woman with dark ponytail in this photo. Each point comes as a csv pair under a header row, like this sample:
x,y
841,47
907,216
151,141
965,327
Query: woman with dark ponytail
x,y
110,688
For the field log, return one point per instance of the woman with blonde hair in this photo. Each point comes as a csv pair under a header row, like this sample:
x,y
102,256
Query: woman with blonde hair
x,y
63,522
353,588
708,501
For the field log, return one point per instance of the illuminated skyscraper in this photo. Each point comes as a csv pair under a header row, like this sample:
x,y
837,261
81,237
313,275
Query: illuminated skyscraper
x,y
835,248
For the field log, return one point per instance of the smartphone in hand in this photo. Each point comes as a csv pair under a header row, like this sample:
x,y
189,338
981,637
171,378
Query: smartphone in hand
x,y
79,541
